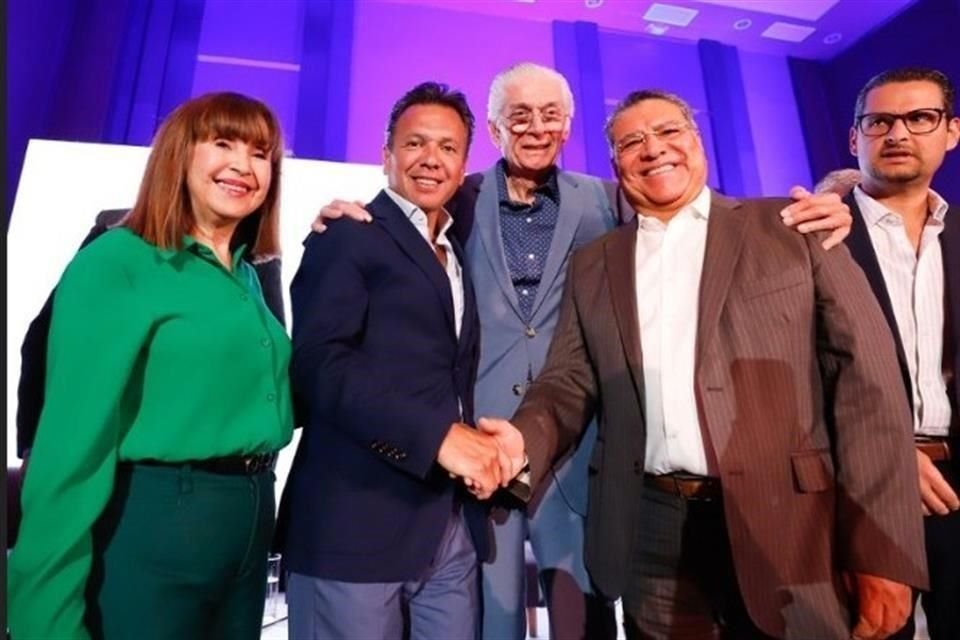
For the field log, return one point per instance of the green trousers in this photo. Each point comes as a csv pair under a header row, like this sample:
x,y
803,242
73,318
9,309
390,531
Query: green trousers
x,y
181,554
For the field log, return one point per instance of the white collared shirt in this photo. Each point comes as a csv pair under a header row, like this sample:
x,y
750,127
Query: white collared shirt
x,y
454,273
669,262
914,281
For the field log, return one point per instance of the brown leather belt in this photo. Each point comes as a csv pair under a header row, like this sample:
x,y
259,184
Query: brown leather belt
x,y
689,487
937,449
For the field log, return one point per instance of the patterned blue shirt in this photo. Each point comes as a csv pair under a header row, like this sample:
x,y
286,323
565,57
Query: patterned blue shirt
x,y
527,231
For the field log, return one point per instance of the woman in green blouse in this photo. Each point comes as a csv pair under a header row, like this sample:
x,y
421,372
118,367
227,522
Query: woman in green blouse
x,y
149,504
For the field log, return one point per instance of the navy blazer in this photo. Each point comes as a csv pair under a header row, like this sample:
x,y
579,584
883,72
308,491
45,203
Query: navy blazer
x,y
863,252
381,375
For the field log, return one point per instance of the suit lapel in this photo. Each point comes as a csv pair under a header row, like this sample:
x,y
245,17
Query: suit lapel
x,y
725,231
572,206
488,227
401,229
950,245
861,248
621,273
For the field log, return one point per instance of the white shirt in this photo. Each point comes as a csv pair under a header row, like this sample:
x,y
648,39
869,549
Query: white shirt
x,y
669,261
914,281
454,272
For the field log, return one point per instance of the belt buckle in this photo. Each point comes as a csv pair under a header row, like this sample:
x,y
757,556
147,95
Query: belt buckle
x,y
259,462
254,464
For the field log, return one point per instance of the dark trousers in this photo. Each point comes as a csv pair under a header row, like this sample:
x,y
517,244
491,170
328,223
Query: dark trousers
x,y
942,603
181,554
682,584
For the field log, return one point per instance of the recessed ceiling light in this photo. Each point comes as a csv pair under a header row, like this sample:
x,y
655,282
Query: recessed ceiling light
x,y
833,38
592,4
670,14
787,32
657,29
743,23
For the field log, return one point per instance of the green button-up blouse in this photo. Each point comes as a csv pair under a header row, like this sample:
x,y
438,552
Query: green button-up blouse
x,y
153,354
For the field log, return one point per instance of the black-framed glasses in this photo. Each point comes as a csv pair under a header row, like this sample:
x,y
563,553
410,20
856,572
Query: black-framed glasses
x,y
665,133
918,121
520,120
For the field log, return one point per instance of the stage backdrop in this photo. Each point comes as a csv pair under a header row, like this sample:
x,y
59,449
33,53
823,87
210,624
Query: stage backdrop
x,y
65,184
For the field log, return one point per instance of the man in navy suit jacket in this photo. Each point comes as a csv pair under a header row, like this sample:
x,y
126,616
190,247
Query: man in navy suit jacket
x,y
906,239
384,536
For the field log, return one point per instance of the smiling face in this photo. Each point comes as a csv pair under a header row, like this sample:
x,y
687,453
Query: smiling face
x,y
531,150
427,158
227,181
659,176
901,158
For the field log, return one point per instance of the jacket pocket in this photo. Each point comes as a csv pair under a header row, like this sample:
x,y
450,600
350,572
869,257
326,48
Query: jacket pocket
x,y
785,280
812,470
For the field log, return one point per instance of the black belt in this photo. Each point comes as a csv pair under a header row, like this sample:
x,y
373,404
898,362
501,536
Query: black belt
x,y
228,465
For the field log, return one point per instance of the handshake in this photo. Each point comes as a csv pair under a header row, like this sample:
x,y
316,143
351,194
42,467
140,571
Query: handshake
x,y
486,458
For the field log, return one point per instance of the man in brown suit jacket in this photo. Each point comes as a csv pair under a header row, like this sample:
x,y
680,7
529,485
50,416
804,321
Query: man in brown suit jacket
x,y
753,475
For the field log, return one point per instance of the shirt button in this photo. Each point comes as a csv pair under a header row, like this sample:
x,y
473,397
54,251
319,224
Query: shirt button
x,y
265,342
518,389
530,332
524,292
271,397
531,256
529,220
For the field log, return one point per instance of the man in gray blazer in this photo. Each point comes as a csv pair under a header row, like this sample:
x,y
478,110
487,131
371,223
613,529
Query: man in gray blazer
x,y
519,222
753,474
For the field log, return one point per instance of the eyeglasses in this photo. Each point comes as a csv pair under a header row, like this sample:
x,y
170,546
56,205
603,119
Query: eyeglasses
x,y
918,121
665,133
520,120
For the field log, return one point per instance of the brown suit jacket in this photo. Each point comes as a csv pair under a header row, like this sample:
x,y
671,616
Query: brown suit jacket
x,y
797,386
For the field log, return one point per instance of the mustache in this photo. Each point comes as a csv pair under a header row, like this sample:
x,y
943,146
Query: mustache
x,y
889,150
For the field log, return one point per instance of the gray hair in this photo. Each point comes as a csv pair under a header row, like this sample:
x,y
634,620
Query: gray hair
x,y
498,88
839,181
636,97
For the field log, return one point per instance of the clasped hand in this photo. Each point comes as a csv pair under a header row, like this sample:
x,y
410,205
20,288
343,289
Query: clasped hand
x,y
486,458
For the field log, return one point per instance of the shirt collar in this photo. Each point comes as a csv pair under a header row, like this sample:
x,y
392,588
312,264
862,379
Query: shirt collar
x,y
189,244
417,216
699,207
873,211
550,187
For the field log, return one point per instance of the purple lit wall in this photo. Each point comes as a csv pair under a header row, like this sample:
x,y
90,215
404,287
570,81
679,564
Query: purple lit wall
x,y
775,123
259,57
111,70
396,46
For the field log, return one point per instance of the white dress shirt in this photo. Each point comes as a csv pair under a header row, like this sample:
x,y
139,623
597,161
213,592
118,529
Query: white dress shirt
x,y
669,262
914,281
452,267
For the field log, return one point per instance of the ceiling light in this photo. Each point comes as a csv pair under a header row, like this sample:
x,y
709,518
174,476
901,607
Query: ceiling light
x,y
592,4
742,23
833,38
787,32
657,29
670,14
